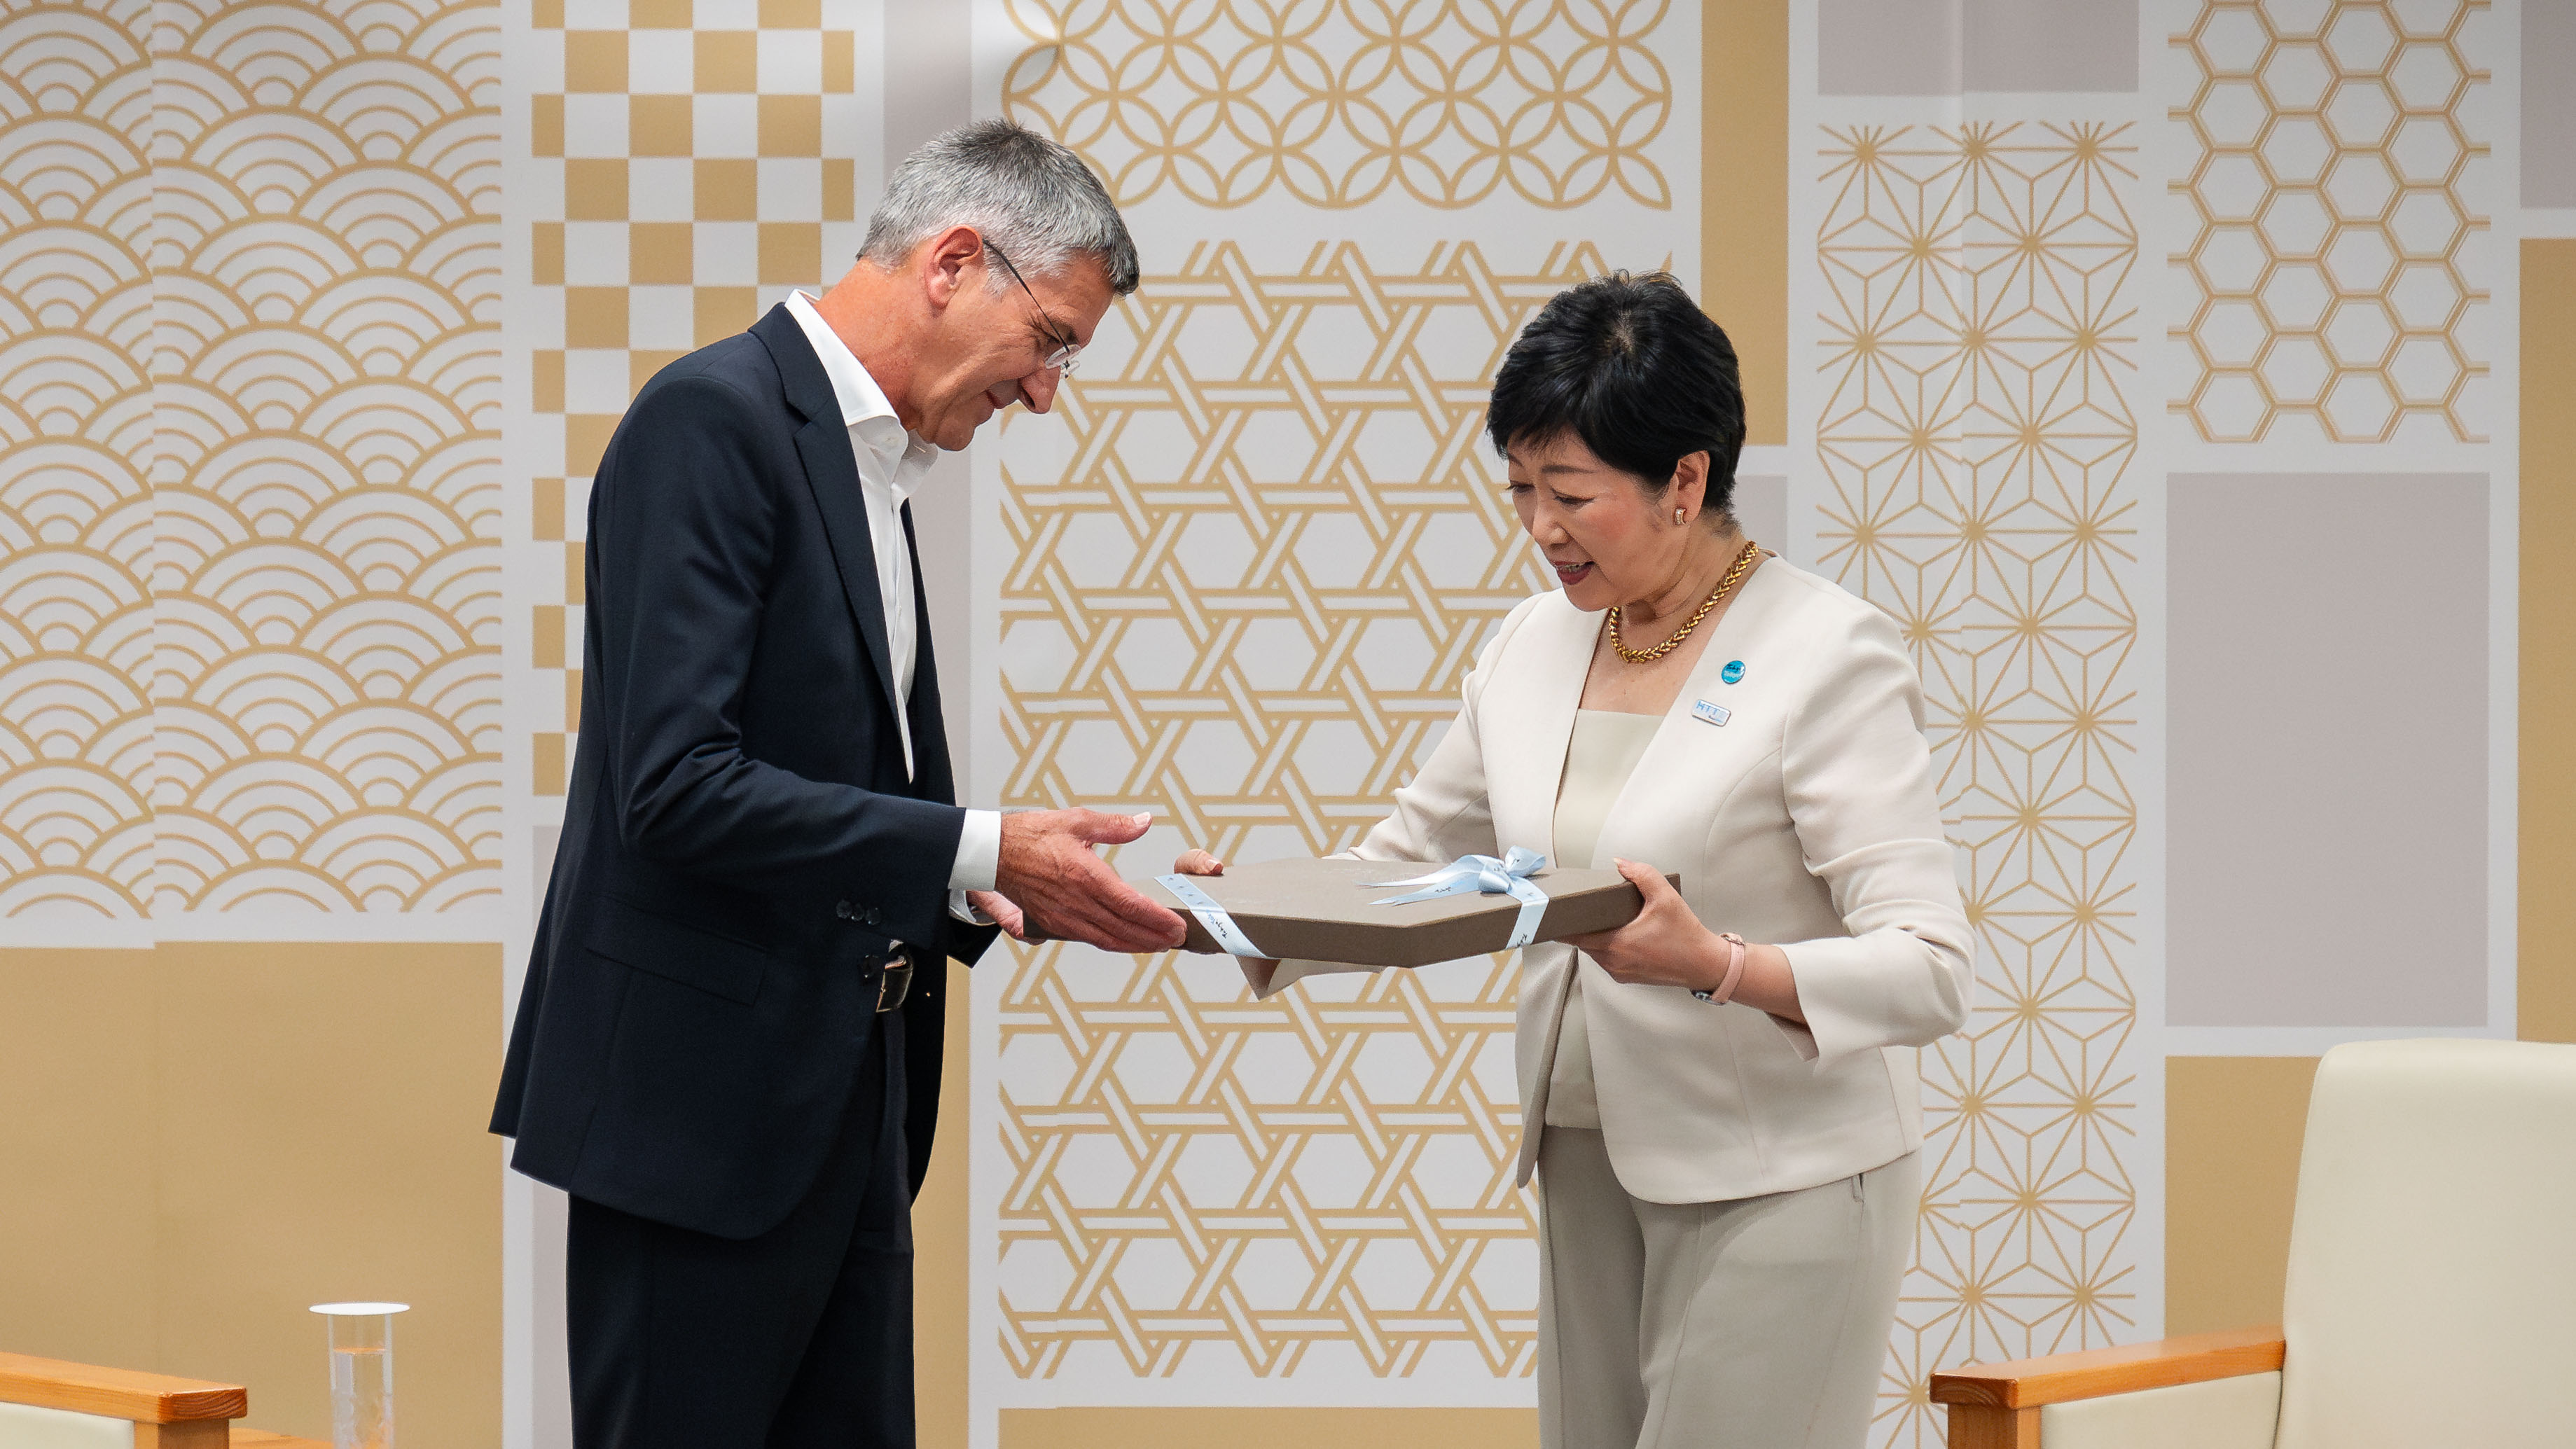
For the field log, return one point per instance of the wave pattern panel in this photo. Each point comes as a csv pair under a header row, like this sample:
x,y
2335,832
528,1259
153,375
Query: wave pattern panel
x,y
325,377
75,436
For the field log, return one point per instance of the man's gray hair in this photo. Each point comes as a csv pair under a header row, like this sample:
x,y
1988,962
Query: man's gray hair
x,y
1029,196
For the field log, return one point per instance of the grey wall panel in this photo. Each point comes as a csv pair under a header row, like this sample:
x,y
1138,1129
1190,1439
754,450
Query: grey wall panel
x,y
2327,756
2051,45
1887,47
2548,103
1762,510
1943,47
929,88
929,72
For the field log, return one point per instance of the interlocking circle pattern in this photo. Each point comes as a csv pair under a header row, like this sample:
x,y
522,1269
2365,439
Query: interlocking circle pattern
x,y
1342,102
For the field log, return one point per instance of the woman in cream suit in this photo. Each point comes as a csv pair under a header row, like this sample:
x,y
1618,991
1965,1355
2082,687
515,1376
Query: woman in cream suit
x,y
1719,1098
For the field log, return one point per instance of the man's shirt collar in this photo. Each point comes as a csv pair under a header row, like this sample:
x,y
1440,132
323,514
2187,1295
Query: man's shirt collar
x,y
864,409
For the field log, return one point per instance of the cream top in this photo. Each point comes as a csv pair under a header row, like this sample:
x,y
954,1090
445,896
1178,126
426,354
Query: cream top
x,y
1599,757
1810,819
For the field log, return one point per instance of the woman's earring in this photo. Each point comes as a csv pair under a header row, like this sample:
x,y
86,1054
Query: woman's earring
x,y
1678,518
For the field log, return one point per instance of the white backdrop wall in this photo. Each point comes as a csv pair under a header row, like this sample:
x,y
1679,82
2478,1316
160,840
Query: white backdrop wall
x,y
1236,581
2130,347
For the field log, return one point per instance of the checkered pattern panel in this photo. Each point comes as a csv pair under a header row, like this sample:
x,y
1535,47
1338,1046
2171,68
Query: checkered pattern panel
x,y
696,161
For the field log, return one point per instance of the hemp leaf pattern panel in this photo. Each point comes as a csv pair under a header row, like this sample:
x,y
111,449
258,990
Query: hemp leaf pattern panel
x,y
1246,602
1979,342
75,492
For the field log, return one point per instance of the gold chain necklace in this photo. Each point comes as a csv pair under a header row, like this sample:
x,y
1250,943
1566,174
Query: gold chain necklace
x,y
1734,575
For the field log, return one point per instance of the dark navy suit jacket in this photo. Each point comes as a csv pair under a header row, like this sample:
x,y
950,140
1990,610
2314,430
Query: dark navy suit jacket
x,y
740,845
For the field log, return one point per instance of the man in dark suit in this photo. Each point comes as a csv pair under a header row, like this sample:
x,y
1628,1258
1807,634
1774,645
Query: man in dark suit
x,y
728,1046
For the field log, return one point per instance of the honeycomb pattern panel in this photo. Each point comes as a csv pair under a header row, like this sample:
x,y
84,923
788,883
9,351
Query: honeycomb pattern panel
x,y
1976,438
1339,103
2330,261
1252,560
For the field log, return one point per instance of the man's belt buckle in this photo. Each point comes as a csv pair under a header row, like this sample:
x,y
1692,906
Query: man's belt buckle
x,y
896,983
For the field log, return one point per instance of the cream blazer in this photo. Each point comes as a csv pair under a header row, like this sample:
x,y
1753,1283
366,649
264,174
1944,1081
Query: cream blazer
x,y
1809,820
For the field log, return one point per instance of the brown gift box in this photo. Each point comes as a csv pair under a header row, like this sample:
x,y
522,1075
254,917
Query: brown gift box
x,y
1320,910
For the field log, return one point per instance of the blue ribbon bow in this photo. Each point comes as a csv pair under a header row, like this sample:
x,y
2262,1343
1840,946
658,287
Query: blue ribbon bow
x,y
1508,876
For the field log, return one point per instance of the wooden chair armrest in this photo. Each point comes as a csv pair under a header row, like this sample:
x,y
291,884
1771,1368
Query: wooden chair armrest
x,y
116,1393
2030,1382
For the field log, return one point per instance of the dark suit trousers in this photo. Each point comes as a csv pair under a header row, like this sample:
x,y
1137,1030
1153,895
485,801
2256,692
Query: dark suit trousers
x,y
800,1338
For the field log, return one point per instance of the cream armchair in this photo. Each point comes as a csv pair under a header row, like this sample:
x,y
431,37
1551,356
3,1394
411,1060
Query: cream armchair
x,y
2431,1297
48,1404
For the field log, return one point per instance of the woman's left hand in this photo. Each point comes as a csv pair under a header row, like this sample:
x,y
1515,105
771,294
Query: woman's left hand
x,y
1664,946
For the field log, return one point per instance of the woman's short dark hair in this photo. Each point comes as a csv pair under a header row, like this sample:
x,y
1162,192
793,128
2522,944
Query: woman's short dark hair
x,y
1635,369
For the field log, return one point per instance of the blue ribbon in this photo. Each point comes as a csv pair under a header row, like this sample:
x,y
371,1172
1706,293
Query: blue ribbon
x,y
1508,876
1211,915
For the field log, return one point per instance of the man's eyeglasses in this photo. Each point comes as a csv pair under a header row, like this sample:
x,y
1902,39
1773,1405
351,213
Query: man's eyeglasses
x,y
1067,352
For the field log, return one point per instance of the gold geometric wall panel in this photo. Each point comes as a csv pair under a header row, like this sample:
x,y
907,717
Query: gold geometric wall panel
x,y
1244,594
2331,218
327,379
1343,102
676,177
1976,440
307,694
75,453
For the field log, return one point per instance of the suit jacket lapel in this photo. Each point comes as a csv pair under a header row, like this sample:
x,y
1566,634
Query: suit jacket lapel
x,y
832,472
933,776
1527,728
1526,733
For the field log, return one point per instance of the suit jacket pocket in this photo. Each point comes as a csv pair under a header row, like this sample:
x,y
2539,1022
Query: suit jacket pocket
x,y
719,965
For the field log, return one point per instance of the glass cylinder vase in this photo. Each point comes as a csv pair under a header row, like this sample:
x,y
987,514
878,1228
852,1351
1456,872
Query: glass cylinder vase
x,y
362,1373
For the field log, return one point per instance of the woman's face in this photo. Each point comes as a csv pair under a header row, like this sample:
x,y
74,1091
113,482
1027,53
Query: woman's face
x,y
1610,542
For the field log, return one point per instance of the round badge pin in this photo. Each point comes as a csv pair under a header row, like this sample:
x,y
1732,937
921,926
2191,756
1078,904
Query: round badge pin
x,y
1733,671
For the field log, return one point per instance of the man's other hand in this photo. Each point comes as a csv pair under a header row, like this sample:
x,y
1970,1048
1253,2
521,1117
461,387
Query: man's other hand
x,y
1047,868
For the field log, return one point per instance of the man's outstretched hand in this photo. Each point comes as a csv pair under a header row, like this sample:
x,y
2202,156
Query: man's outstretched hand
x,y
1048,871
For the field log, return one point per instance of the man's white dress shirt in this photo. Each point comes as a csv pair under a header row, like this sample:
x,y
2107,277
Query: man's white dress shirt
x,y
891,465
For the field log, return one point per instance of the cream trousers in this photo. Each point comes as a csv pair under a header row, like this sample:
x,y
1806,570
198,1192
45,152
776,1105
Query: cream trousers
x,y
1754,1324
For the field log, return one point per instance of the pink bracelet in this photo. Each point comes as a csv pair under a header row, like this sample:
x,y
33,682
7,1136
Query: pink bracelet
x,y
1734,971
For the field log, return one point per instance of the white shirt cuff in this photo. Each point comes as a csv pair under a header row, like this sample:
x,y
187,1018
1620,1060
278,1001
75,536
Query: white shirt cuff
x,y
963,909
979,852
